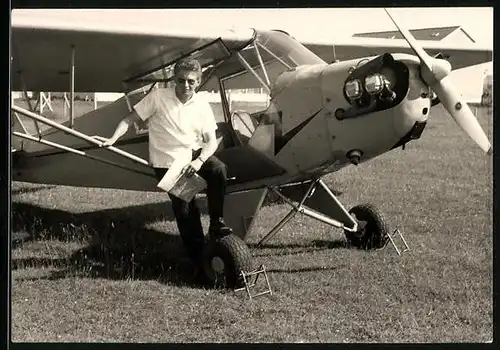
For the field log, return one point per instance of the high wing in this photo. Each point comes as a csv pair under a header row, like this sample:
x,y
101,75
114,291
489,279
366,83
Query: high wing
x,y
459,56
110,50
107,50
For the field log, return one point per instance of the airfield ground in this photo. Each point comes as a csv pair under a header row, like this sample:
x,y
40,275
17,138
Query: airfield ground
x,y
107,265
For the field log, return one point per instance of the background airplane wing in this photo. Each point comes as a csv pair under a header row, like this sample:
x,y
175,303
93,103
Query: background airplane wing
x,y
459,56
107,50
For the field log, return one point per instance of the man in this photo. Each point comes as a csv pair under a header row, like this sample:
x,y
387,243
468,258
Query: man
x,y
182,125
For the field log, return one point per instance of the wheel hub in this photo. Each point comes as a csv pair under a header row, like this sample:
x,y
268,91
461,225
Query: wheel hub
x,y
362,226
217,264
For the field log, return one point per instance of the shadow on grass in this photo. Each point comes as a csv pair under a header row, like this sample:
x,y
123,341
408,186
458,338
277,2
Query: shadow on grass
x,y
16,264
306,269
119,246
296,249
19,191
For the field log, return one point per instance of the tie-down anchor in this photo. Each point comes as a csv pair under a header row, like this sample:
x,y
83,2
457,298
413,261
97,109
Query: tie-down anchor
x,y
398,233
250,280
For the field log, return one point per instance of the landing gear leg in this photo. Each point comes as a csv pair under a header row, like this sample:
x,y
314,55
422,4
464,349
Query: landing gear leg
x,y
364,226
315,200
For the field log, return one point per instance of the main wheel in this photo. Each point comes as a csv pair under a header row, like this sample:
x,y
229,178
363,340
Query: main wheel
x,y
373,231
224,259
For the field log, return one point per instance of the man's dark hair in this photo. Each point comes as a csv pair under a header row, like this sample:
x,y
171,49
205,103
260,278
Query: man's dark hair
x,y
188,64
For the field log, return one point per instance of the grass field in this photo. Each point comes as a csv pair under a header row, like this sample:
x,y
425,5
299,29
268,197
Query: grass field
x,y
108,265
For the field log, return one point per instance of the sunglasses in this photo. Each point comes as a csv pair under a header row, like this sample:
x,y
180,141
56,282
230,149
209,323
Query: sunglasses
x,y
182,81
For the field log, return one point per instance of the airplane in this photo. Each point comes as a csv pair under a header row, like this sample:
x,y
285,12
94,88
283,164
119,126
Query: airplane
x,y
321,116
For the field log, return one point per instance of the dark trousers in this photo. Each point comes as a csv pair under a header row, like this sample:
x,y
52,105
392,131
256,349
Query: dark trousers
x,y
187,215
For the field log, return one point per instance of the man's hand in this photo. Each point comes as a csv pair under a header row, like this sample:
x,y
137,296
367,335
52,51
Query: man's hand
x,y
105,141
193,167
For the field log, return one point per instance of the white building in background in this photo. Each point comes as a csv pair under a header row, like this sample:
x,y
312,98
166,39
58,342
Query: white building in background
x,y
108,96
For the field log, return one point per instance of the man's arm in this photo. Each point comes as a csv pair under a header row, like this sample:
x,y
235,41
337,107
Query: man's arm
x,y
122,128
209,142
210,146
141,111
208,134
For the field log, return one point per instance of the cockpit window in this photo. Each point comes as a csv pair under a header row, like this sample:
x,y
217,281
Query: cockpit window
x,y
247,78
287,48
269,55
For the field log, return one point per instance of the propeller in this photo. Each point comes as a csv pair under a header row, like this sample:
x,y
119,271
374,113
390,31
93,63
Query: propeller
x,y
434,72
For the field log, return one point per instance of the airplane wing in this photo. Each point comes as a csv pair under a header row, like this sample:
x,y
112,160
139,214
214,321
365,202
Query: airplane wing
x,y
459,56
352,48
107,50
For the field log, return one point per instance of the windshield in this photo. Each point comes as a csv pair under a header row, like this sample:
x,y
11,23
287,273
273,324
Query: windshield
x,y
269,55
287,48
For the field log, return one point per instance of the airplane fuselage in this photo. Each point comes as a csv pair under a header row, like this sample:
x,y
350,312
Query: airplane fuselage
x,y
312,129
318,130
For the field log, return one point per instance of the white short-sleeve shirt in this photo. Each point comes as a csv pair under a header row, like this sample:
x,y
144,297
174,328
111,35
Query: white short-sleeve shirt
x,y
175,129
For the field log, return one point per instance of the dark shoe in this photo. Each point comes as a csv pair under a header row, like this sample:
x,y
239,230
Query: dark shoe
x,y
201,279
219,229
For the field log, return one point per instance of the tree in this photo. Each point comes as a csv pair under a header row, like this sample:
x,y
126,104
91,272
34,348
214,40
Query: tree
x,y
487,96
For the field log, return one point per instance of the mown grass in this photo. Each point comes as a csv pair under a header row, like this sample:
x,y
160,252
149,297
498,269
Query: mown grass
x,y
108,265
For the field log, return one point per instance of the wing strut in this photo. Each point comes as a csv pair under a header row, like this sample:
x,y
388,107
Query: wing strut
x,y
75,151
77,134
72,89
259,57
251,70
28,101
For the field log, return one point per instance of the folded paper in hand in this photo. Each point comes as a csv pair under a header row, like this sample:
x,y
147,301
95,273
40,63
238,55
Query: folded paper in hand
x,y
177,183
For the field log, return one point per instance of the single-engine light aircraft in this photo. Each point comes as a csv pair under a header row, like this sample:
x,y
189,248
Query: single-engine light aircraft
x,y
321,116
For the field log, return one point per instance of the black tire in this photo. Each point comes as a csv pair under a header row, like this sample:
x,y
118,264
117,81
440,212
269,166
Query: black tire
x,y
373,231
224,259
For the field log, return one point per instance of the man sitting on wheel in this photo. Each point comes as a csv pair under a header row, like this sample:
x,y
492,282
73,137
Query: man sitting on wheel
x,y
182,124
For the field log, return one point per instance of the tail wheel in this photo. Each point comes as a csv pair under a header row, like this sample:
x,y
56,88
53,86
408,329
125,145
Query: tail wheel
x,y
373,231
224,259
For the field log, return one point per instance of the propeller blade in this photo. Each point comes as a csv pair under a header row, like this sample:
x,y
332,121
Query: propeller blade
x,y
434,72
461,113
419,51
